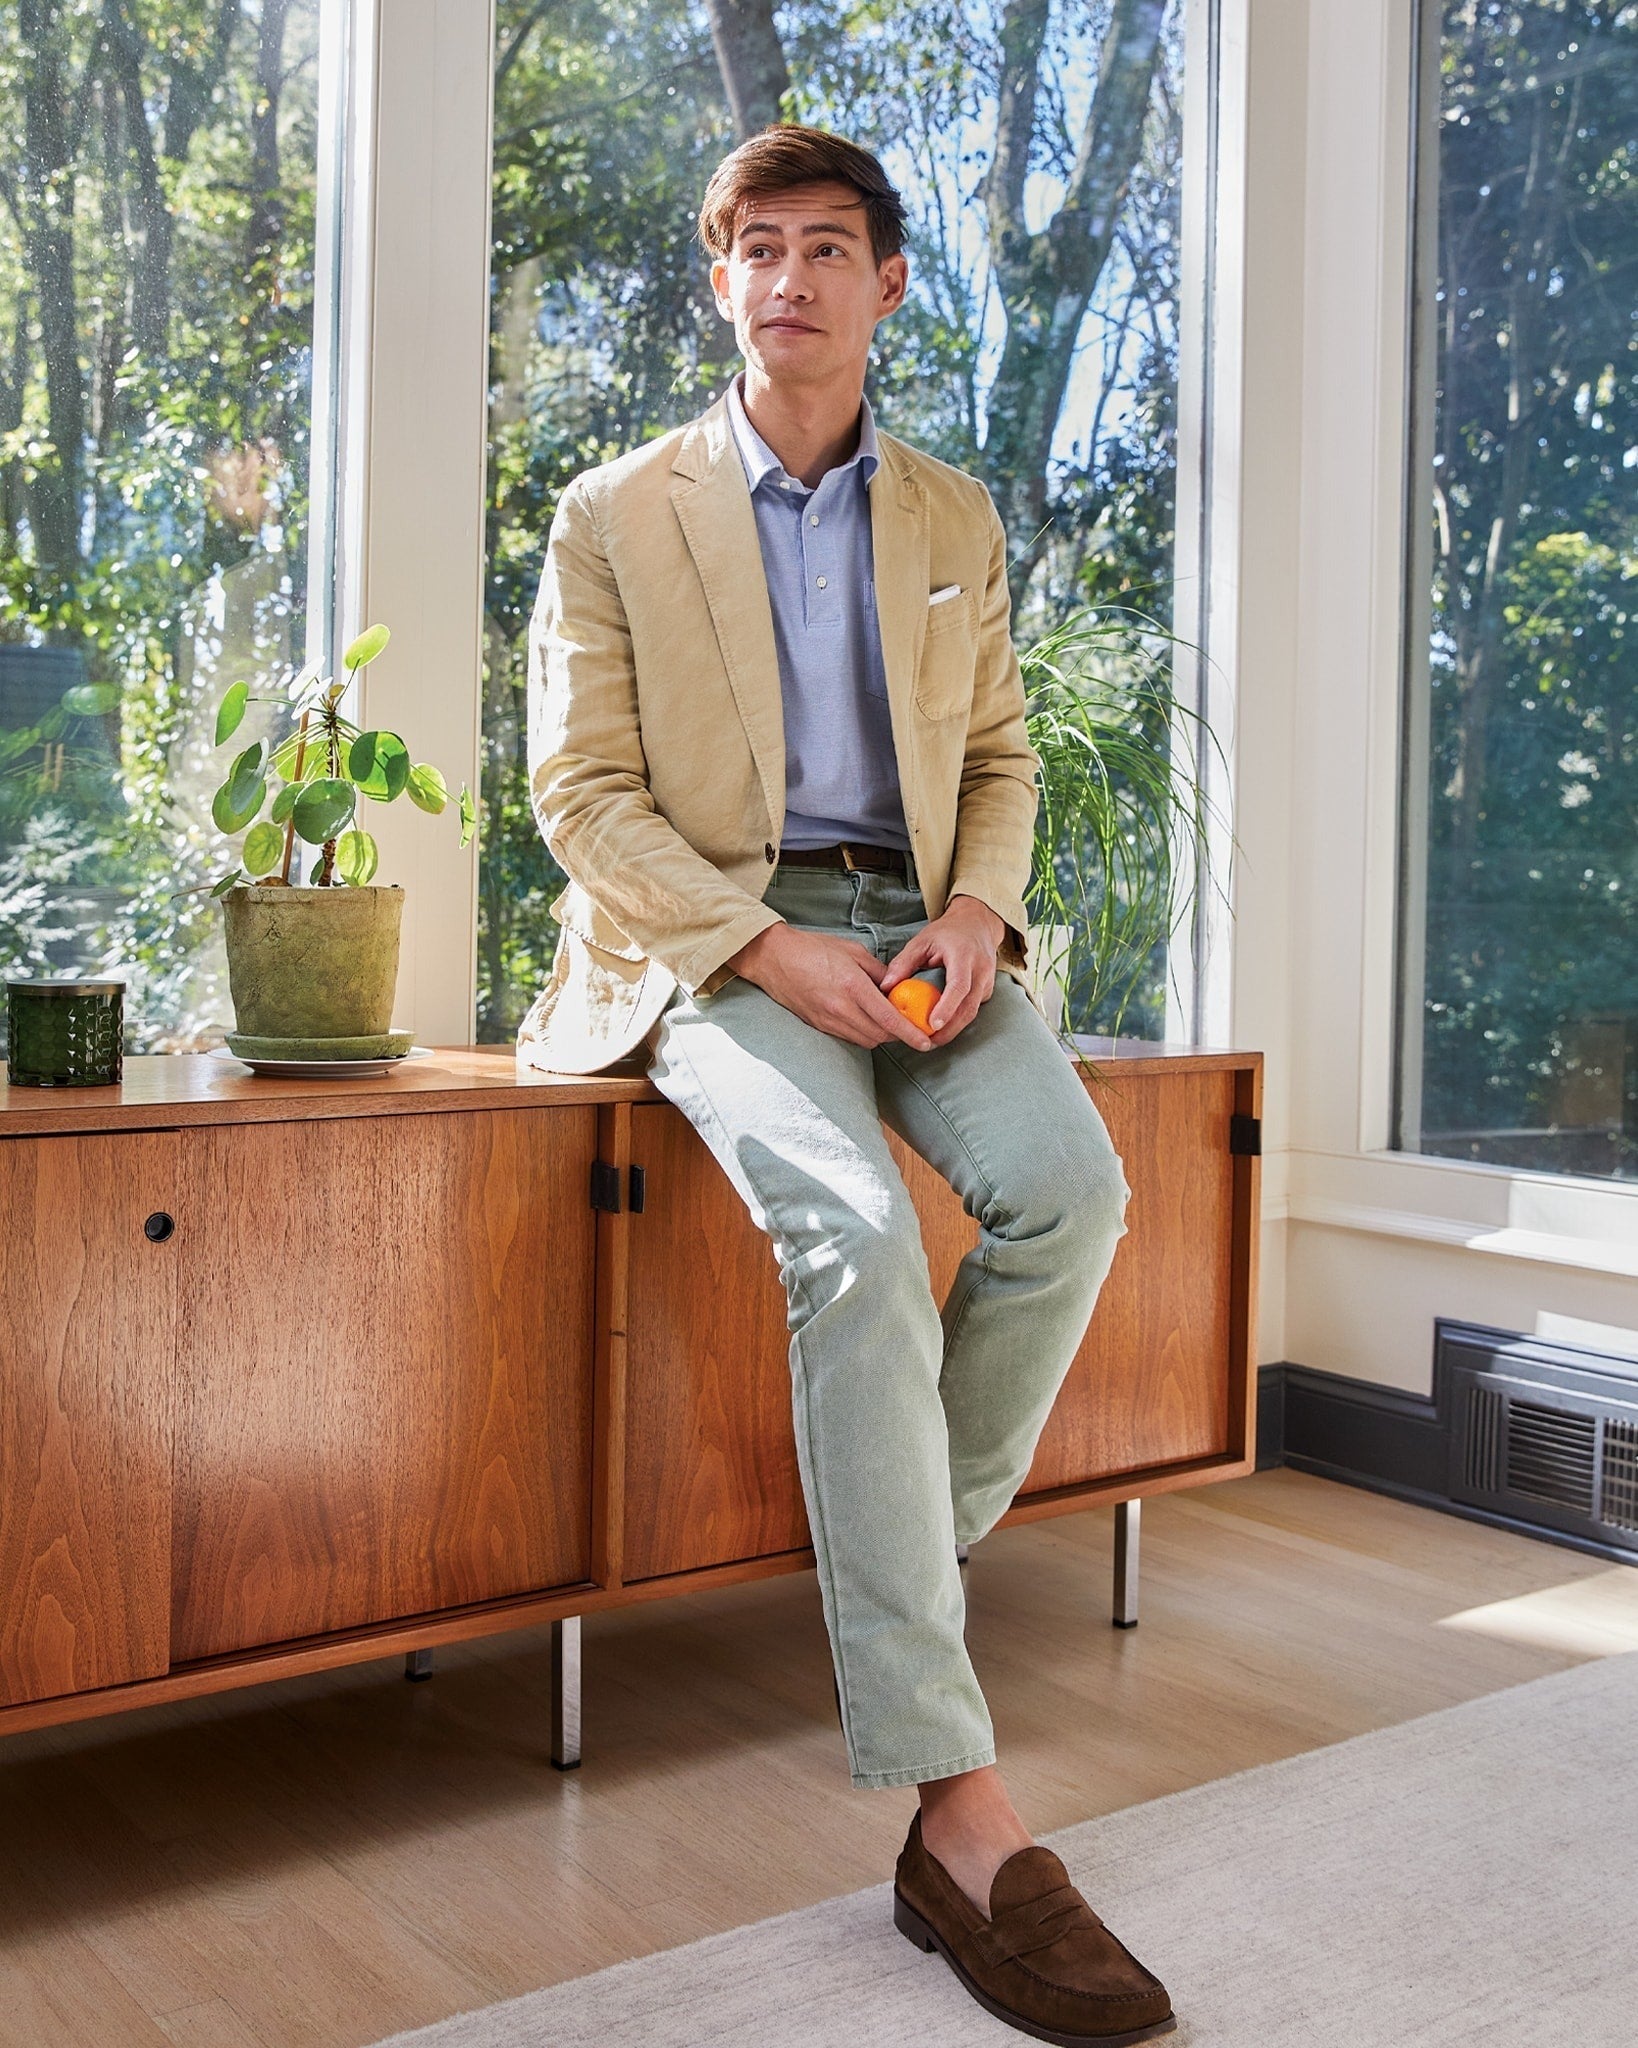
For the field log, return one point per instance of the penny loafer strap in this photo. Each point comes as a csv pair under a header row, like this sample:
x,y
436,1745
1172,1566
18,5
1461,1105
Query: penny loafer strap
x,y
1038,1923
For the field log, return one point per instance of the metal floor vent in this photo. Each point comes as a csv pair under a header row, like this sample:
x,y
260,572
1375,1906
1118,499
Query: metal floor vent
x,y
1540,1433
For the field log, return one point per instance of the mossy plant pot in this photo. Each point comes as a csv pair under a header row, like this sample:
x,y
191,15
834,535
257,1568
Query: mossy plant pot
x,y
314,967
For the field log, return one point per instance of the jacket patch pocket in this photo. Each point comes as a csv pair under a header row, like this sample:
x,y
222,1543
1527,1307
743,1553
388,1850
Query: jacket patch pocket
x,y
949,653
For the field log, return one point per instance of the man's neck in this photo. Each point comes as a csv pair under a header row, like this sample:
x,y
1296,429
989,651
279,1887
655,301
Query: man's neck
x,y
810,429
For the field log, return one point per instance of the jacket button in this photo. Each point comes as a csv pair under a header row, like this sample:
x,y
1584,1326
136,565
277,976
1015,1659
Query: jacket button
x,y
768,853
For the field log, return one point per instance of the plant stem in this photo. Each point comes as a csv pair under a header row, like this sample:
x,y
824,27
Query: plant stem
x,y
290,822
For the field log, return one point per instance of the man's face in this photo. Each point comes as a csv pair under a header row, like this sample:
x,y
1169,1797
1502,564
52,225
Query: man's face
x,y
801,283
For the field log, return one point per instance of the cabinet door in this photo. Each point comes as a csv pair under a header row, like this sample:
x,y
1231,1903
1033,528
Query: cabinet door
x,y
384,1369
710,1453
711,1473
87,1318
1149,1385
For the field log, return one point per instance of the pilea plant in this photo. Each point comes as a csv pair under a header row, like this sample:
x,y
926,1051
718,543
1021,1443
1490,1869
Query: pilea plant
x,y
323,767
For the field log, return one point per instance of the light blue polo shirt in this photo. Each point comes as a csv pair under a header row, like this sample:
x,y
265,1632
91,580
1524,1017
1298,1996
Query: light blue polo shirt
x,y
841,770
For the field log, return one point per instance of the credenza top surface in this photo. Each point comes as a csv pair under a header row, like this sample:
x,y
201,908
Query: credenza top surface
x,y
162,1090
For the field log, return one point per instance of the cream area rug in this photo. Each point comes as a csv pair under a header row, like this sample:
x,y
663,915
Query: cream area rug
x,y
1468,1877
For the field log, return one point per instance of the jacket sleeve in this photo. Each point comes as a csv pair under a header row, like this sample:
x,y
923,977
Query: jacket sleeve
x,y
998,799
588,776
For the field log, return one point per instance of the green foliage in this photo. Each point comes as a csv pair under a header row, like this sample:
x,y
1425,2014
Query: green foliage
x,y
1121,803
1529,963
326,764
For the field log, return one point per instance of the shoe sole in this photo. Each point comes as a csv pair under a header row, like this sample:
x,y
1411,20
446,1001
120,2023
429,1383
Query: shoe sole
x,y
915,1929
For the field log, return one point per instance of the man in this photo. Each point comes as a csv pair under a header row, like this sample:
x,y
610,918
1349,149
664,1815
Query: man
x,y
777,744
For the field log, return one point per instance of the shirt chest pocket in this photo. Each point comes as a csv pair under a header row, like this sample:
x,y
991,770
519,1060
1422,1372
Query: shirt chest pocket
x,y
949,654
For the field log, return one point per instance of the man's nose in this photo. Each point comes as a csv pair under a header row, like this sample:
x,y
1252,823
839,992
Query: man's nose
x,y
792,284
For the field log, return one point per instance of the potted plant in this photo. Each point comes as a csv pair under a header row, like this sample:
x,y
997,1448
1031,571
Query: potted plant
x,y
1119,807
313,967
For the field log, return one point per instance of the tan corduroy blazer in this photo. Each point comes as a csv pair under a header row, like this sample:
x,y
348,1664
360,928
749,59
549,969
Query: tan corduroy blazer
x,y
656,728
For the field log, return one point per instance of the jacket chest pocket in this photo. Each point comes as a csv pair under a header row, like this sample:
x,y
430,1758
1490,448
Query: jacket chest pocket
x,y
949,654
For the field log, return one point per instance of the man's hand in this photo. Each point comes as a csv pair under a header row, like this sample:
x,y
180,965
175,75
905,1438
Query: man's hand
x,y
832,984
840,987
964,942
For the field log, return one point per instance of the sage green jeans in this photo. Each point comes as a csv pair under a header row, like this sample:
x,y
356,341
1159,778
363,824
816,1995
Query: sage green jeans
x,y
915,1423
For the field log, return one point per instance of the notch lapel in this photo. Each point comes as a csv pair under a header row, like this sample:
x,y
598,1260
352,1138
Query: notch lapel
x,y
713,506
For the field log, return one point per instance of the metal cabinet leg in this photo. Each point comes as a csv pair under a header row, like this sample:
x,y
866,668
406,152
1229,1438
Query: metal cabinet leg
x,y
1128,1515
566,1693
417,1663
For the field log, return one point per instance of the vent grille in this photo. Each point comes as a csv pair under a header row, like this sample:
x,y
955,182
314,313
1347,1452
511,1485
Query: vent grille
x,y
1484,1439
1620,1503
1552,1455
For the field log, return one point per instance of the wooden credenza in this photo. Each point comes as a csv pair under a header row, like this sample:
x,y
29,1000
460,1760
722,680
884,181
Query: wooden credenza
x,y
298,1374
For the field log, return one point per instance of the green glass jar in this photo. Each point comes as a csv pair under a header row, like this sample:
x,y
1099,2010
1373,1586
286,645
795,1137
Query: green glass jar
x,y
64,1034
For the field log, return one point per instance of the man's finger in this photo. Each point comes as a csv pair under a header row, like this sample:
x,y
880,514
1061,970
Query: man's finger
x,y
957,982
918,953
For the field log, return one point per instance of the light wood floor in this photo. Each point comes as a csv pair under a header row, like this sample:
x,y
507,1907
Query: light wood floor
x,y
327,1860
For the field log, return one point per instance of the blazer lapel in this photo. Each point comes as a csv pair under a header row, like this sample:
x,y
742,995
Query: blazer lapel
x,y
898,539
713,505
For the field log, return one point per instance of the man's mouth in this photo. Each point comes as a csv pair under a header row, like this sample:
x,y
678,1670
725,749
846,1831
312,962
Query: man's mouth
x,y
792,326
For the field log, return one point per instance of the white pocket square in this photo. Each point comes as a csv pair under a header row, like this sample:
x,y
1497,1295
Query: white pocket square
x,y
939,596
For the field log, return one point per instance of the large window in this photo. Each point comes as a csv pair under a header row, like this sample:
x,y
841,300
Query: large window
x,y
1519,933
1039,348
162,504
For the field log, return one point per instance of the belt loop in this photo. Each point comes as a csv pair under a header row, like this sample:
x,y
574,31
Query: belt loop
x,y
848,860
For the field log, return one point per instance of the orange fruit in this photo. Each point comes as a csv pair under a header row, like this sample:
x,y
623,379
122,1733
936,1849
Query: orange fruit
x,y
916,1000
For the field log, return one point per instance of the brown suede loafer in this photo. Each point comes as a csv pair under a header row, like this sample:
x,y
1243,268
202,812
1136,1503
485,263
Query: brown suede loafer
x,y
1043,1961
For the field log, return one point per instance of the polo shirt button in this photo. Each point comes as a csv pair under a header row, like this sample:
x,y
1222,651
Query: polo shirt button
x,y
768,853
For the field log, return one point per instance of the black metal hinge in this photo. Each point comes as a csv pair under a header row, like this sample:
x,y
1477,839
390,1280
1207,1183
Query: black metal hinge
x,y
1246,1134
605,1188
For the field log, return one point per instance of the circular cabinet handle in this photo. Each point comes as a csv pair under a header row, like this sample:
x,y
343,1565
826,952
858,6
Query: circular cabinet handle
x,y
158,1227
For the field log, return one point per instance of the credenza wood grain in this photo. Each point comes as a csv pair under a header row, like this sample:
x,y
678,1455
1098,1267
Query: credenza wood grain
x,y
383,1386
87,1313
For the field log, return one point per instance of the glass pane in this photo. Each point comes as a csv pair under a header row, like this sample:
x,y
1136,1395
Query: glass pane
x,y
610,118
157,293
1521,1038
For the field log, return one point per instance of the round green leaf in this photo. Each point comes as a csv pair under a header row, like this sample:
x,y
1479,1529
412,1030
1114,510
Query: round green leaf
x,y
469,815
264,842
245,774
90,700
379,763
233,809
366,647
323,809
230,711
427,788
357,857
285,802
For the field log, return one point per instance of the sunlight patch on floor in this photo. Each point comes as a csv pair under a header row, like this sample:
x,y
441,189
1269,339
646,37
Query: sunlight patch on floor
x,y
1595,1616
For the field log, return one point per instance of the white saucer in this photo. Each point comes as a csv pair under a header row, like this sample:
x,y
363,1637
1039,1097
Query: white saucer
x,y
320,1070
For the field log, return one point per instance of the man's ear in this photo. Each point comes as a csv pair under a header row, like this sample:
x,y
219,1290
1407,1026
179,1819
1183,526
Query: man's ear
x,y
893,276
719,288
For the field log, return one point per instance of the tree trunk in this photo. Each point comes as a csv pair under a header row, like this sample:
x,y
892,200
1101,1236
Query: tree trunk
x,y
1046,280
266,227
752,61
48,180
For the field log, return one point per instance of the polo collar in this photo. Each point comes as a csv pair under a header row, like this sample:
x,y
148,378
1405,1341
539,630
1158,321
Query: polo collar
x,y
761,463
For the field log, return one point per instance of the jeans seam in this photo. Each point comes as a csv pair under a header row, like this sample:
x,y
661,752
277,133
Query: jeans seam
x,y
821,1546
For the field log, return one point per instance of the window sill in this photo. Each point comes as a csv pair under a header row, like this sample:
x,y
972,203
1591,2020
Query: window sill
x,y
1502,1212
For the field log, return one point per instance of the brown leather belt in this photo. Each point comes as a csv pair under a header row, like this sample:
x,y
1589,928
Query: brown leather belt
x,y
848,854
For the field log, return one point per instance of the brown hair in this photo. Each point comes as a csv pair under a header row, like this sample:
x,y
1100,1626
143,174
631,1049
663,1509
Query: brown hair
x,y
786,155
